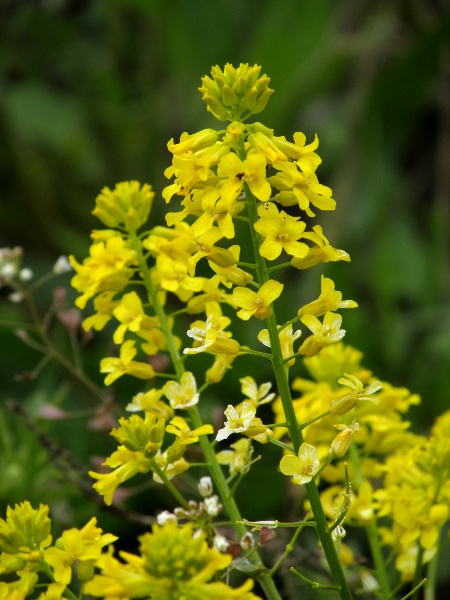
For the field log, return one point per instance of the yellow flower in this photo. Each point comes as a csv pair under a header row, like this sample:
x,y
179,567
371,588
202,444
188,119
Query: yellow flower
x,y
301,467
151,402
236,458
301,186
305,156
324,333
130,313
220,366
320,253
194,142
183,394
342,405
342,441
280,232
329,300
211,340
287,339
216,211
251,171
256,395
116,367
229,274
126,464
104,305
173,564
257,303
76,544
237,422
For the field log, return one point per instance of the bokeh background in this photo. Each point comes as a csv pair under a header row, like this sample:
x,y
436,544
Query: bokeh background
x,y
91,91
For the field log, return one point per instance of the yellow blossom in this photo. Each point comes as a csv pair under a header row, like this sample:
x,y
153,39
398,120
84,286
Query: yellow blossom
x,y
173,563
236,422
76,544
183,394
280,232
216,372
256,395
104,305
151,402
342,441
236,458
211,340
322,252
257,303
301,467
251,171
324,333
116,367
287,339
329,300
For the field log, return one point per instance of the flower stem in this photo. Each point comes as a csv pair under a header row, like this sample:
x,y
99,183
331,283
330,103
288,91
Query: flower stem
x,y
264,578
282,377
372,533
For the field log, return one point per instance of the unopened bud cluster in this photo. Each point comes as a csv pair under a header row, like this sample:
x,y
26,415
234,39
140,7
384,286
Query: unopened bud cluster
x,y
232,92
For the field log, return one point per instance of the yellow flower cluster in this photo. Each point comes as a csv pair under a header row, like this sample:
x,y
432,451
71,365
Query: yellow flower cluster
x,y
174,564
26,549
416,496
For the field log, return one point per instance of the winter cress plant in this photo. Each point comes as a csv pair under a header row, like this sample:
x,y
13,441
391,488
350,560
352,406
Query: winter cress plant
x,y
342,434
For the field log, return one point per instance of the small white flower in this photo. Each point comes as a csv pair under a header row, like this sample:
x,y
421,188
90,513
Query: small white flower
x,y
62,265
212,506
221,543
25,274
166,517
205,486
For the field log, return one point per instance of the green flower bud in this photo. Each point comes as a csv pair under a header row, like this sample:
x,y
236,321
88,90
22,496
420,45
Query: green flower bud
x,y
229,97
263,98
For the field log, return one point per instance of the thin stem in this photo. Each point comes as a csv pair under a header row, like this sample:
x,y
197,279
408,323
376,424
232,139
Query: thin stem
x,y
415,590
416,584
315,584
56,354
430,588
276,267
294,320
245,350
325,414
275,524
245,264
289,358
287,551
215,470
282,376
372,533
281,444
169,485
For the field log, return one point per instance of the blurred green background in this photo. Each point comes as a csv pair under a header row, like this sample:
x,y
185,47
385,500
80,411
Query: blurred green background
x,y
92,91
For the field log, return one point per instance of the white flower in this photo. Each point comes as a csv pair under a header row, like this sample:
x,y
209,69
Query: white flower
x,y
62,265
212,506
166,517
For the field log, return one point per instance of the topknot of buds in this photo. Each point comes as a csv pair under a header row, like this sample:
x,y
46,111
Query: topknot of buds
x,y
232,92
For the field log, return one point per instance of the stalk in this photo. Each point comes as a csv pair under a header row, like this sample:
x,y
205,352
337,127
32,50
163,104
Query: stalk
x,y
264,578
282,377
372,534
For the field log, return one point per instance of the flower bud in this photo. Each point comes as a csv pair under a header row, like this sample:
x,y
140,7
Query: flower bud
x,y
205,486
342,441
247,541
62,265
221,543
341,406
85,570
212,506
166,517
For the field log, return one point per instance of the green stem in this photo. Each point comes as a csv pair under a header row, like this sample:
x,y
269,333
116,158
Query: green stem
x,y
282,377
415,590
371,530
325,414
315,584
430,588
416,584
287,551
281,444
264,578
169,485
